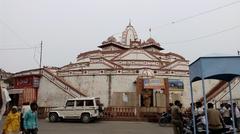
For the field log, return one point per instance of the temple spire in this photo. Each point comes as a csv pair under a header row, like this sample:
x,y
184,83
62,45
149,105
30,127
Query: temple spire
x,y
129,24
129,34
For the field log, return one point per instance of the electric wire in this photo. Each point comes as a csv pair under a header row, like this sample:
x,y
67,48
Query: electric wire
x,y
15,33
196,15
19,37
204,36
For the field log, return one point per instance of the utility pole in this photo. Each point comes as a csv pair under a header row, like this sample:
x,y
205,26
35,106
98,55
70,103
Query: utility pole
x,y
41,45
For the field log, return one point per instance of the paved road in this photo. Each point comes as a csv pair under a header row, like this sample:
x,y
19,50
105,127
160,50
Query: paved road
x,y
102,127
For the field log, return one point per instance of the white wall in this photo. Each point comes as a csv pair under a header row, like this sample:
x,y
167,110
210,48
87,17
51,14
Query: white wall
x,y
49,95
96,86
123,83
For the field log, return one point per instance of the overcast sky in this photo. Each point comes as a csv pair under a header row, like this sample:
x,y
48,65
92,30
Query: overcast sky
x,y
191,28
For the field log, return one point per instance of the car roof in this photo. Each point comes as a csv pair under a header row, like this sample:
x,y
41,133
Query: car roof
x,y
83,98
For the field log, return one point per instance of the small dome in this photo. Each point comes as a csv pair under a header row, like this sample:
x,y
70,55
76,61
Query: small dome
x,y
111,39
151,40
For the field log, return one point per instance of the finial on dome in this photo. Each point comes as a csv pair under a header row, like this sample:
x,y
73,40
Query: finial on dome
x,y
150,32
129,24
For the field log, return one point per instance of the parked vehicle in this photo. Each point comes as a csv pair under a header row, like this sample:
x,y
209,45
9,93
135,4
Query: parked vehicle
x,y
85,109
201,129
165,119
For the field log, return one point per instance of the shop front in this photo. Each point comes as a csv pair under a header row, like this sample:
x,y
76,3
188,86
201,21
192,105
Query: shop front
x,y
153,95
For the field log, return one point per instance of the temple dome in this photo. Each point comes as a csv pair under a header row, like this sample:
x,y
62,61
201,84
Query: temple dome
x,y
111,39
151,41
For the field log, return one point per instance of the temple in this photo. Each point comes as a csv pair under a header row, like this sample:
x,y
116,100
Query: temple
x,y
124,72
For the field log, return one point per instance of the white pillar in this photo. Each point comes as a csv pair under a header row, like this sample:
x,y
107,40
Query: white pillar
x,y
192,107
232,108
205,106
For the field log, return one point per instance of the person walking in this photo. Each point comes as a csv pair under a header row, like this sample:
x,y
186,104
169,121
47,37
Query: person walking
x,y
30,122
226,114
222,108
12,122
25,108
177,118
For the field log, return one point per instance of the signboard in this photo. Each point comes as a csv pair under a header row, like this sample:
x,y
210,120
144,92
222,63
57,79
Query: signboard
x,y
15,91
176,84
153,83
36,82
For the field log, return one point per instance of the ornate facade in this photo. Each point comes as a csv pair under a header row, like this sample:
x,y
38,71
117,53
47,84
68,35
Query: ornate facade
x,y
128,55
114,72
113,69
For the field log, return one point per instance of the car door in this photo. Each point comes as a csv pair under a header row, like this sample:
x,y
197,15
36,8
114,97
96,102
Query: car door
x,y
89,106
79,108
69,112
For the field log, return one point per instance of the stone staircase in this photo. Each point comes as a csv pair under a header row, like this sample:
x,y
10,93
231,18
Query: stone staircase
x,y
61,83
219,88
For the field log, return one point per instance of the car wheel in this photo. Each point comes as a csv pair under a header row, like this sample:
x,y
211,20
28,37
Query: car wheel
x,y
53,117
85,118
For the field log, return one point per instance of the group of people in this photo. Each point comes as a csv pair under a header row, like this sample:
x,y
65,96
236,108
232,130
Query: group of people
x,y
218,119
226,112
23,120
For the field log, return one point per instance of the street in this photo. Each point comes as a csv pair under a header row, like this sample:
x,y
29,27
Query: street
x,y
102,127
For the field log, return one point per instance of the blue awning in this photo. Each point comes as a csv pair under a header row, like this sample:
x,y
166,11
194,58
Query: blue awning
x,y
222,68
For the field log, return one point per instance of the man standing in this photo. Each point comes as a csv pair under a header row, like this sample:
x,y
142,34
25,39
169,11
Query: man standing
x,y
226,114
177,118
30,121
236,115
215,121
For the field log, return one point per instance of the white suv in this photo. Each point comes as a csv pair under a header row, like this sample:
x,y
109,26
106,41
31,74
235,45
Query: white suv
x,y
86,109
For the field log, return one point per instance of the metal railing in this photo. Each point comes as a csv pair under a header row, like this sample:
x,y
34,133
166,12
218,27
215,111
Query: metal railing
x,y
228,90
61,83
